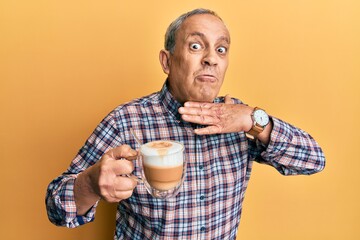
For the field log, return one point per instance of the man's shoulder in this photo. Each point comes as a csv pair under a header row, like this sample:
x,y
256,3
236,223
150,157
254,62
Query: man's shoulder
x,y
138,103
132,111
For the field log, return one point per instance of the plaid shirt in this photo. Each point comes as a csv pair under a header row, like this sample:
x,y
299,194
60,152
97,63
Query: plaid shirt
x,y
218,170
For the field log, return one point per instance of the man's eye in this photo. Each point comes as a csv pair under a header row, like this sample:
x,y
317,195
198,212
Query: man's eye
x,y
222,49
195,46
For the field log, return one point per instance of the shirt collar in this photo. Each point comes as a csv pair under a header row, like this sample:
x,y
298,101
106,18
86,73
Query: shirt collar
x,y
172,105
169,102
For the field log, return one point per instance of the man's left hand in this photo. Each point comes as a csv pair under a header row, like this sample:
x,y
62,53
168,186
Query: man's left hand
x,y
218,117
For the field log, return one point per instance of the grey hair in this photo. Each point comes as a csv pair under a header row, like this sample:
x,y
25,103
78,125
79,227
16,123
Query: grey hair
x,y
175,25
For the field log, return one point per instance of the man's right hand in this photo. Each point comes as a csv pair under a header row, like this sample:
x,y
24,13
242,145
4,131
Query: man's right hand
x,y
106,179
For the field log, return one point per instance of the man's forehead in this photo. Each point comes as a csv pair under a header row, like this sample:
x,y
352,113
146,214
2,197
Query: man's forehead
x,y
202,25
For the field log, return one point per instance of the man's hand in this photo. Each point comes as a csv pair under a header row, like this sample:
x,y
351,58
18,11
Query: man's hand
x,y
220,117
106,179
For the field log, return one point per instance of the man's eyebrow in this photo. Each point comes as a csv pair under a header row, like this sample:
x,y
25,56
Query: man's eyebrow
x,y
201,35
224,38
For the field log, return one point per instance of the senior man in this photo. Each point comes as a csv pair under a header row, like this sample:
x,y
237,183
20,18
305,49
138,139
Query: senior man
x,y
222,137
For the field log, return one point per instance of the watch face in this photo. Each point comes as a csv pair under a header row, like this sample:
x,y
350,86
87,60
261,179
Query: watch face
x,y
261,117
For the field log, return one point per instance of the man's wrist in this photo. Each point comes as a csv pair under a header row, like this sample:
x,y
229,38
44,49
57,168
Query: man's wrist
x,y
84,194
259,120
264,136
245,119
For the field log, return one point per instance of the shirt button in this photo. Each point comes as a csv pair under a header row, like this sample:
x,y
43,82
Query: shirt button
x,y
202,197
202,229
201,167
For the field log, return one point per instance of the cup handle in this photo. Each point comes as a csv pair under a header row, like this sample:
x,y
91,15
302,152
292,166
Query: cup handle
x,y
132,176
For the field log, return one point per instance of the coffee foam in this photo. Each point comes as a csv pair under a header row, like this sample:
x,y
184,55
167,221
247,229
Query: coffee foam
x,y
162,153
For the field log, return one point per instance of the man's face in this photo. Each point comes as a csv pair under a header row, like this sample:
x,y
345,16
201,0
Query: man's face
x,y
198,65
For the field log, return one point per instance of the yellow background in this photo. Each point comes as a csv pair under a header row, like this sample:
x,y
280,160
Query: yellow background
x,y
65,64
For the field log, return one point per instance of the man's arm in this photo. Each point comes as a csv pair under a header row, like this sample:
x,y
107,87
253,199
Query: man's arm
x,y
222,118
106,179
72,198
289,149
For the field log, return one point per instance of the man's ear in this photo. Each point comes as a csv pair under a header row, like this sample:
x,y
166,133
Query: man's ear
x,y
164,58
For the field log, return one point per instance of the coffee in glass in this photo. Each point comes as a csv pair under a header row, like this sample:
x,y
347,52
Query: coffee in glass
x,y
164,167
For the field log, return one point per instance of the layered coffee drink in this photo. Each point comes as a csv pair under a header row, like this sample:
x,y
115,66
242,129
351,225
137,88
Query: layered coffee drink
x,y
163,164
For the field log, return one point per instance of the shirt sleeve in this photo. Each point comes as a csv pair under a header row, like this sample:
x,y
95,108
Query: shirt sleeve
x,y
60,202
291,150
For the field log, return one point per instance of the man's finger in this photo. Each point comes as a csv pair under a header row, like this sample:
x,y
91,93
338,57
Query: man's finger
x,y
123,151
122,167
228,99
215,129
118,188
204,105
120,195
117,196
123,183
201,119
195,111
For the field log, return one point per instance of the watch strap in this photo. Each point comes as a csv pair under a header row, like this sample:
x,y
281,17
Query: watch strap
x,y
256,128
254,132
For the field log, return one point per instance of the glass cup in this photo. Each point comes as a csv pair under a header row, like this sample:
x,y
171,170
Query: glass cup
x,y
163,166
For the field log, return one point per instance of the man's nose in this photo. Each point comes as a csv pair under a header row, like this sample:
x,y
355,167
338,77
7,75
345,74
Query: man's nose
x,y
209,58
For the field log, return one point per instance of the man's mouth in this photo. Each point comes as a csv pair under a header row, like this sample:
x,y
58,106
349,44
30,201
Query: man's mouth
x,y
206,78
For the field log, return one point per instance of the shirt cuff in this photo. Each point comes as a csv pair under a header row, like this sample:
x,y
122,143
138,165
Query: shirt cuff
x,y
66,201
280,139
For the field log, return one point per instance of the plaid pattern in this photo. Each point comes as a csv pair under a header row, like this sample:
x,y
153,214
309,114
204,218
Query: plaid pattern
x,y
218,170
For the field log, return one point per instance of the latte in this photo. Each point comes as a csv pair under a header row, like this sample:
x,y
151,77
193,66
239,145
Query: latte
x,y
163,163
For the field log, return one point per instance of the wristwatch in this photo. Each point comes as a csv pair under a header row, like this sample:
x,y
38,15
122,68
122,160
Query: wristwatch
x,y
260,120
